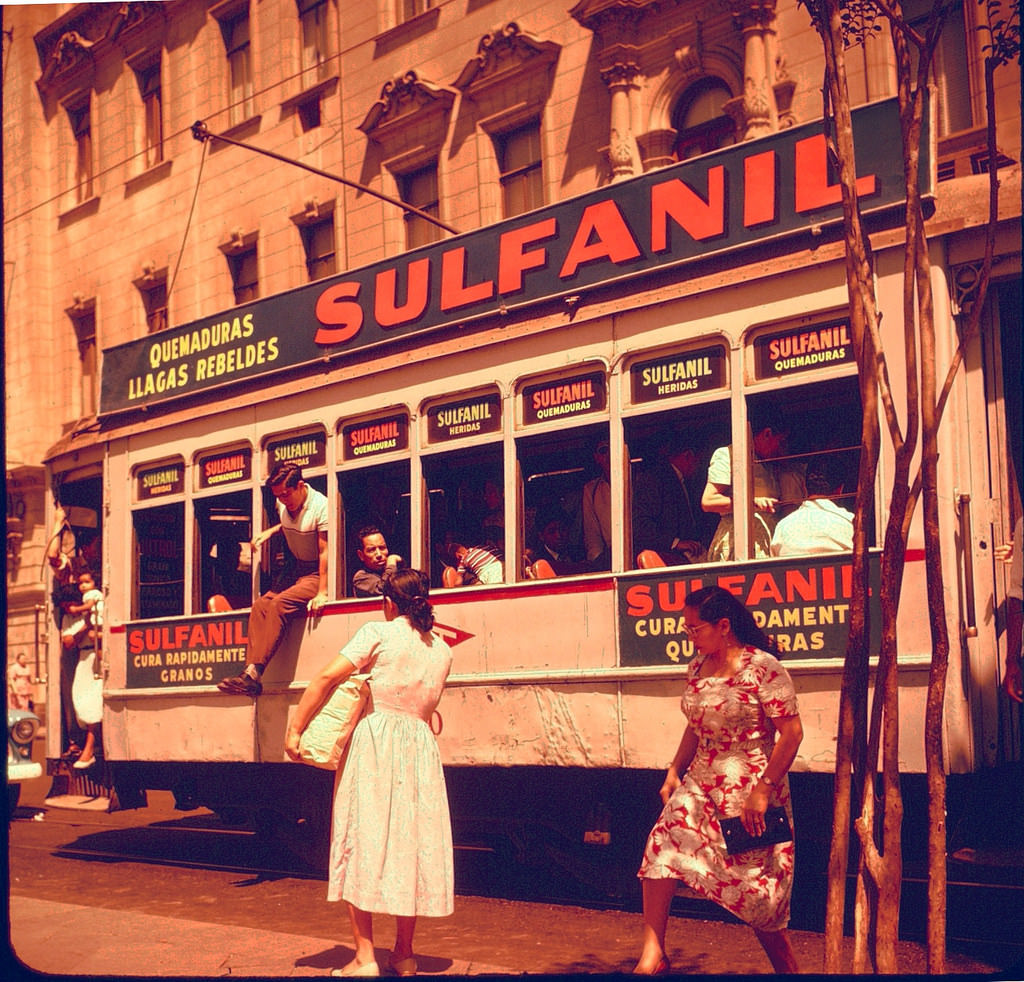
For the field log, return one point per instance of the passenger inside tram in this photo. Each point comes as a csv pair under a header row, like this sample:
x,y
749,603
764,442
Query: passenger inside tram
x,y
666,519
376,496
553,549
231,574
465,507
820,524
493,521
377,563
558,470
776,479
468,565
596,510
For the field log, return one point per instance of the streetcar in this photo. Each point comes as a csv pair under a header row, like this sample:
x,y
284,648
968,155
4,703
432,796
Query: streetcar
x,y
474,379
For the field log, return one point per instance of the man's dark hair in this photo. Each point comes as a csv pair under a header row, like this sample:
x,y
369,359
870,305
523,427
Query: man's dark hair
x,y
825,474
548,514
766,416
674,441
288,474
365,532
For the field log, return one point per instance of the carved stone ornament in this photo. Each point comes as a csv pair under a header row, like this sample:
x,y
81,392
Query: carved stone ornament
x,y
71,51
405,97
507,50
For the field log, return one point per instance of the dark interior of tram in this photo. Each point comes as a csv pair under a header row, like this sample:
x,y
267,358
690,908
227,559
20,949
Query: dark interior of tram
x,y
224,528
377,496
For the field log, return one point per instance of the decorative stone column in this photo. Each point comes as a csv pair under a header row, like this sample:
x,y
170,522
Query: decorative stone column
x,y
619,32
755,19
623,151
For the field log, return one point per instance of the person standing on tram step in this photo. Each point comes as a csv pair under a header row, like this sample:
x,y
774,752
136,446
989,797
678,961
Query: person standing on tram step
x,y
300,587
1013,553
87,685
736,698
391,835
819,525
378,563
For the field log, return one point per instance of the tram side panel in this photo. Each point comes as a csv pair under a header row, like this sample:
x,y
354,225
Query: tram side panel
x,y
536,680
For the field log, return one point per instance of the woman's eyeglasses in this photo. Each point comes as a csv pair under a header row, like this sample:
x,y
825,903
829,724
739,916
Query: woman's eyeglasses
x,y
692,630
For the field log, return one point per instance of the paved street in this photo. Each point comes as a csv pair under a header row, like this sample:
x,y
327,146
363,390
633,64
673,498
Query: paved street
x,y
77,908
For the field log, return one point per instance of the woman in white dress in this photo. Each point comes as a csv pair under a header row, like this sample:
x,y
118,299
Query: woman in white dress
x,y
391,841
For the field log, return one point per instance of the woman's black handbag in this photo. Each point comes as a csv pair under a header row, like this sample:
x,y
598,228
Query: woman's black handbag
x,y
738,839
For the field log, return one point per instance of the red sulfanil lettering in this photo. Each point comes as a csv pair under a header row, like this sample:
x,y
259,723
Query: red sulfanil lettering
x,y
341,319
812,190
760,202
602,234
676,200
454,291
387,310
514,259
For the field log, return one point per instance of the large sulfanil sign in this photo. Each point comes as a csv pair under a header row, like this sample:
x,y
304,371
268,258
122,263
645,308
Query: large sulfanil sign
x,y
802,604
724,201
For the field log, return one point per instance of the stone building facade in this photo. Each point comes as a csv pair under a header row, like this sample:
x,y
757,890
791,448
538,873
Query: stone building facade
x,y
118,222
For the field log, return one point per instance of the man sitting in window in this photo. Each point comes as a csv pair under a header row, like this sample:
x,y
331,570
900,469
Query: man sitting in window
x,y
300,586
377,562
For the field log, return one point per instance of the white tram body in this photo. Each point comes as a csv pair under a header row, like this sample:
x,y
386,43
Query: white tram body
x,y
578,671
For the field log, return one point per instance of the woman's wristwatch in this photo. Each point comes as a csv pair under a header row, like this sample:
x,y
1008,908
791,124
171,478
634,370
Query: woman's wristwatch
x,y
767,780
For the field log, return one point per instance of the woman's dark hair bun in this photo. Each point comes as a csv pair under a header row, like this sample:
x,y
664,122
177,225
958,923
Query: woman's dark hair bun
x,y
409,589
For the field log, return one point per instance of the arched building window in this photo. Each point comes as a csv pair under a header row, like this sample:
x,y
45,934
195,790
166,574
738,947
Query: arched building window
x,y
700,120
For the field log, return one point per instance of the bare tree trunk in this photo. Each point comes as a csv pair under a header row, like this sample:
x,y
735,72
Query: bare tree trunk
x,y
850,754
861,742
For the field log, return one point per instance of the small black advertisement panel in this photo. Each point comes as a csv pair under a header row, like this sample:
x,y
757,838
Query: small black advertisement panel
x,y
468,417
564,398
721,202
225,467
370,437
803,604
157,482
685,372
190,651
802,349
307,450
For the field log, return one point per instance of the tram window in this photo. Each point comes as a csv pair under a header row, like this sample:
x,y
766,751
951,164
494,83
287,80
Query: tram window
x,y
668,458
377,496
224,557
814,427
464,506
556,467
275,555
160,561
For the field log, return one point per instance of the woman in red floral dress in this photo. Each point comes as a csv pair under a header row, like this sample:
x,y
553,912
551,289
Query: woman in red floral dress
x,y
737,699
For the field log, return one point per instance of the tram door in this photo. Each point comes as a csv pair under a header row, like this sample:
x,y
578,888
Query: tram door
x,y
995,381
81,498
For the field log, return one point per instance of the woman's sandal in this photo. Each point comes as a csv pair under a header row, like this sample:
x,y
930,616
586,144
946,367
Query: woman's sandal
x,y
662,968
404,966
